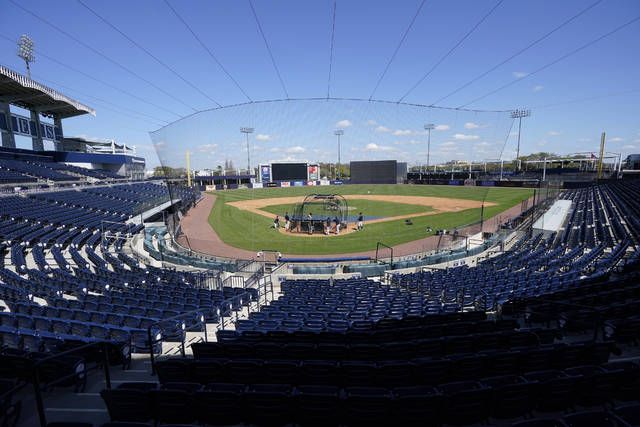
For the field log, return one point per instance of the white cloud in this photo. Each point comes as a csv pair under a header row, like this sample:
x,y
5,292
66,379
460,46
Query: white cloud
x,y
616,139
519,74
263,137
471,125
275,150
371,122
447,147
542,143
553,133
442,127
375,147
206,148
482,144
288,159
628,147
402,132
296,149
465,137
343,124
537,88
383,129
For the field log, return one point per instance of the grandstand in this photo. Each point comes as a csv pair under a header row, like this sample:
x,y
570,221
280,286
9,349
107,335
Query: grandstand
x,y
81,282
473,291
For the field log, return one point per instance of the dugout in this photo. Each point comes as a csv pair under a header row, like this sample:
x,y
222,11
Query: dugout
x,y
378,172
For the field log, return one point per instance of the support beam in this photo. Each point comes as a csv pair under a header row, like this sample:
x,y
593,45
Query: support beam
x,y
36,141
57,122
8,139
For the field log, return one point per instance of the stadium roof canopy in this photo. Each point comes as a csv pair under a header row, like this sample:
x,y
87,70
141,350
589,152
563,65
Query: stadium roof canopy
x,y
23,92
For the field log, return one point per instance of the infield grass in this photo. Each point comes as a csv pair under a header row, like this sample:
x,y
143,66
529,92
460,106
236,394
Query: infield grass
x,y
246,230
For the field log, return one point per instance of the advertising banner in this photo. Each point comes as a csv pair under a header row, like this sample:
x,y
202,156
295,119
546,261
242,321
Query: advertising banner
x,y
298,183
325,182
285,184
256,185
265,173
209,188
311,183
314,172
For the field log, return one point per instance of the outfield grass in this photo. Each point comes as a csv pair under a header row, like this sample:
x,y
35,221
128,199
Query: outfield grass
x,y
371,208
250,231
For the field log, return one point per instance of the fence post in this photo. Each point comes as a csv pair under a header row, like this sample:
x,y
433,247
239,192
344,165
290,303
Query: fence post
x,y
105,361
39,403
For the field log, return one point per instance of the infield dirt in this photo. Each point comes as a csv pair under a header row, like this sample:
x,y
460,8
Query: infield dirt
x,y
438,204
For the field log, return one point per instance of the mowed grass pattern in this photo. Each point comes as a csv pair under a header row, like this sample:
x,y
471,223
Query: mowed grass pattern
x,y
250,231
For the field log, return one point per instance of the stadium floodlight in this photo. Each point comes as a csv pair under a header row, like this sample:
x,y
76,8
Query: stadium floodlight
x,y
247,131
519,114
428,127
338,133
25,51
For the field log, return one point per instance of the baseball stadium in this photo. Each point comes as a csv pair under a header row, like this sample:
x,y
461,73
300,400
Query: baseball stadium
x,y
320,213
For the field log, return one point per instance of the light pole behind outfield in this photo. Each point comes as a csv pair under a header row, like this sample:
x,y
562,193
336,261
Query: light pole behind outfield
x,y
338,133
519,114
247,131
428,128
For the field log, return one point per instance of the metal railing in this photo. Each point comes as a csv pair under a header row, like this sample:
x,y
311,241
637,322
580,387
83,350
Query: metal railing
x,y
102,347
200,323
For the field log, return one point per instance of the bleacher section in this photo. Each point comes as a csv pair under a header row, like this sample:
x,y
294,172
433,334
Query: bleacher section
x,y
21,168
422,350
91,293
534,332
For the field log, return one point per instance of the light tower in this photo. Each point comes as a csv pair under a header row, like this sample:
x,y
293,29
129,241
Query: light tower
x,y
428,128
25,51
338,133
519,114
247,131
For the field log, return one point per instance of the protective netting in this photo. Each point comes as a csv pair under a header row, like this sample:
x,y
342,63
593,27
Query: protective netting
x,y
244,211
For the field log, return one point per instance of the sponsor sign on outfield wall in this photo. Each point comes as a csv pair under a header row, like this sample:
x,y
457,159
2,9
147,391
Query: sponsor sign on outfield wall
x,y
209,188
313,172
265,173
298,183
311,183
285,184
257,185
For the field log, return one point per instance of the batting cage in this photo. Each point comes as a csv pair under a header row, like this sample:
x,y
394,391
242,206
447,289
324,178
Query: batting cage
x,y
325,213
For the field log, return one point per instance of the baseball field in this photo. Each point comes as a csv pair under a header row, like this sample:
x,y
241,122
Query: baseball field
x,y
395,214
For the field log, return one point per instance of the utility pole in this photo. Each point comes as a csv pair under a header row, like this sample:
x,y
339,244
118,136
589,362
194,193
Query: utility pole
x,y
338,133
519,114
247,131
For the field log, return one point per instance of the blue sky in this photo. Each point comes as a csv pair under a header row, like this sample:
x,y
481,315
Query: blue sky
x,y
366,35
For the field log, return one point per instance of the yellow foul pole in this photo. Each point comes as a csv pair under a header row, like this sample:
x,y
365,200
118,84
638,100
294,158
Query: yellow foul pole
x,y
601,158
188,155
